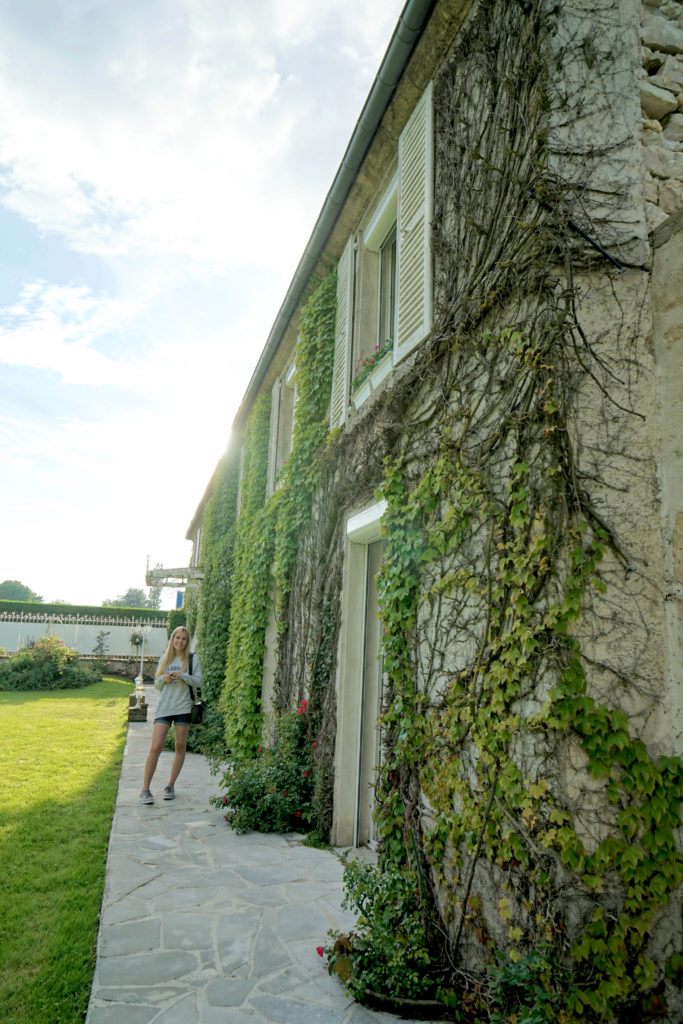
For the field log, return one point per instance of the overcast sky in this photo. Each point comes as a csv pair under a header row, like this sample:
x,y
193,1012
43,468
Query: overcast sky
x,y
162,164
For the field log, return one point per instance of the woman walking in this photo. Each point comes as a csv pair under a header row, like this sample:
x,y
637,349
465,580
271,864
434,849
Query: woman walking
x,y
178,670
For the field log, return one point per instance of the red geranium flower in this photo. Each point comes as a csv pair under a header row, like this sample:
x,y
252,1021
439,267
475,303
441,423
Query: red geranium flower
x,y
305,774
298,814
320,951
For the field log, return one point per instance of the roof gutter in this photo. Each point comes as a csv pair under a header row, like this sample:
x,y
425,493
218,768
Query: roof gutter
x,y
406,35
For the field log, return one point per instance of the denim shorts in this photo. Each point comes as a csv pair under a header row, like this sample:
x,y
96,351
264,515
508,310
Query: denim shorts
x,y
180,719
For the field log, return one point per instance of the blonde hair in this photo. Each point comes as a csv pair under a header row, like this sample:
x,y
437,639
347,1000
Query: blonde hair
x,y
171,654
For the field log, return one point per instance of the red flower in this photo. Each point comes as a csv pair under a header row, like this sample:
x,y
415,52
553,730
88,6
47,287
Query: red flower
x,y
225,799
314,743
303,707
305,775
298,814
260,749
320,951
284,791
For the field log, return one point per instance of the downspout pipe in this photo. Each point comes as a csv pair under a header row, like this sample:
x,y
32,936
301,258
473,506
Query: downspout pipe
x,y
410,26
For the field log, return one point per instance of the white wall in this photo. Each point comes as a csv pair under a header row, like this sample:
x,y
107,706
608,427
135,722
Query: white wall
x,y
82,636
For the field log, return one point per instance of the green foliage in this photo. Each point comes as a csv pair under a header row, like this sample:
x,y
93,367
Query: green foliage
x,y
272,791
389,951
60,764
191,607
293,499
48,664
533,990
250,593
101,650
134,597
538,554
176,617
84,610
13,590
267,531
215,596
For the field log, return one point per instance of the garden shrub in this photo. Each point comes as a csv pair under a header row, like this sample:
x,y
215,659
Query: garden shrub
x,y
389,952
47,664
532,991
273,791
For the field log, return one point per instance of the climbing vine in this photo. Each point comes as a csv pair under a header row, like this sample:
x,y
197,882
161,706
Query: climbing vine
x,y
504,558
301,474
520,789
250,591
267,529
212,600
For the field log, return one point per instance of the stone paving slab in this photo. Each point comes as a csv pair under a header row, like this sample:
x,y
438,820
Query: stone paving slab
x,y
203,926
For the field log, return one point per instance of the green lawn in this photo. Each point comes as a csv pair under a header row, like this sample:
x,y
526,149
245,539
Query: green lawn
x,y
60,758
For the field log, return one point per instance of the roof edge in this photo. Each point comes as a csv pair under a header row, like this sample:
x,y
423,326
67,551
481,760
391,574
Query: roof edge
x,y
408,30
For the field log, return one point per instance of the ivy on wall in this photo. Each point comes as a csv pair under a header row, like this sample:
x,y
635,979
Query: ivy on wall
x,y
498,573
250,591
511,553
301,474
209,604
267,531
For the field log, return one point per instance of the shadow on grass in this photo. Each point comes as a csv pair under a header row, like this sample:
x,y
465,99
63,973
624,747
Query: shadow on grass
x,y
109,686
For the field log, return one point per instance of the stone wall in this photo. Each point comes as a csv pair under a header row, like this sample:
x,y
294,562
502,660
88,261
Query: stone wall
x,y
661,100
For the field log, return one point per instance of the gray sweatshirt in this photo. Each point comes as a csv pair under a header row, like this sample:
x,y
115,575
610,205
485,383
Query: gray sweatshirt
x,y
174,698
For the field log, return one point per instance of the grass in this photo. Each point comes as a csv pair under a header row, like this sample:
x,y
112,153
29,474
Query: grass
x,y
60,761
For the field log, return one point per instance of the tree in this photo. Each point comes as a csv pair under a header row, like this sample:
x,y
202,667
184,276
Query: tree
x,y
134,597
13,590
155,592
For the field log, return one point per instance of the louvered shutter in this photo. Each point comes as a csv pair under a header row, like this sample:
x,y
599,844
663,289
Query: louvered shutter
x,y
342,336
414,260
273,437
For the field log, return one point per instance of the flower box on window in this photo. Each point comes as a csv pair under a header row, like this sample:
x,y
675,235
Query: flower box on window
x,y
381,370
377,373
362,393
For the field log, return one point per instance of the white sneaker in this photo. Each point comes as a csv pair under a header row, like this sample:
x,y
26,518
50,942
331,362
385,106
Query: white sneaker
x,y
146,797
169,793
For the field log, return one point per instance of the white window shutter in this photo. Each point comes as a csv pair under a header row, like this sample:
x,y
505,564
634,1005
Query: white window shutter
x,y
273,437
342,336
414,259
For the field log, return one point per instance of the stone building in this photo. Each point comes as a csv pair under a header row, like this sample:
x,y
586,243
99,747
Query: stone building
x,y
480,594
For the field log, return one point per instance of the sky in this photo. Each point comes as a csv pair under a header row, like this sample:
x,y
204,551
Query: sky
x,y
162,166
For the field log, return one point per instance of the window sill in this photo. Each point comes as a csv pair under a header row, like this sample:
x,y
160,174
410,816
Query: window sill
x,y
374,378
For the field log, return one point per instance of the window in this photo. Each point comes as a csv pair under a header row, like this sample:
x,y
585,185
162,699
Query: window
x,y
384,277
282,409
387,289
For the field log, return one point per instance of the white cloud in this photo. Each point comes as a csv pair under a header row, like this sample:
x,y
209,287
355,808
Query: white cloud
x,y
186,146
179,144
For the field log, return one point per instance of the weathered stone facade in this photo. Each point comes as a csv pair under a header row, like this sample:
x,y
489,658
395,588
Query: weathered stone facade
x,y
552,360
661,100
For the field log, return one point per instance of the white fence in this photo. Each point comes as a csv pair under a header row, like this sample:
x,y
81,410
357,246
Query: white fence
x,y
81,633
